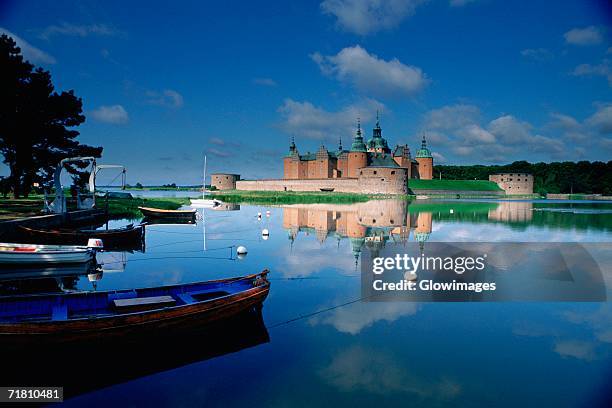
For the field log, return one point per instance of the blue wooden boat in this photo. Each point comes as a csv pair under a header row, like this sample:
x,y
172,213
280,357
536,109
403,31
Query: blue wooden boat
x,y
80,315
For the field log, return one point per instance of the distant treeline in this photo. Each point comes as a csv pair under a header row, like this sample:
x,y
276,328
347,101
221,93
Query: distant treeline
x,y
558,177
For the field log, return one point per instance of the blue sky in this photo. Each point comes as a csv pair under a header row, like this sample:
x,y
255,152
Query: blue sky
x,y
488,81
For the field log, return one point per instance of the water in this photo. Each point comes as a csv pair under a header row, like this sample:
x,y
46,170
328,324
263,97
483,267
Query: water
x,y
328,348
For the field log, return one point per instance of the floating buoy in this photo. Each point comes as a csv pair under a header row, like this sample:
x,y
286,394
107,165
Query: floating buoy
x,y
265,234
241,252
409,276
268,213
452,211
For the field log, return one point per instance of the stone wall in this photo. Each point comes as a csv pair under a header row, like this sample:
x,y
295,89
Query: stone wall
x,y
514,183
372,180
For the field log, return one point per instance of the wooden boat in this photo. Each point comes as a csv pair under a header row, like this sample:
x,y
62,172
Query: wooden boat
x,y
91,314
113,238
32,254
327,190
159,213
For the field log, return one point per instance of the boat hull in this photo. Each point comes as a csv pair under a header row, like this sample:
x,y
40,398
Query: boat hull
x,y
45,255
112,239
204,312
159,213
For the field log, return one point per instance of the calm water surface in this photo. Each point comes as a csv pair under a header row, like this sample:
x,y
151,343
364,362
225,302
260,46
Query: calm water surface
x,y
326,347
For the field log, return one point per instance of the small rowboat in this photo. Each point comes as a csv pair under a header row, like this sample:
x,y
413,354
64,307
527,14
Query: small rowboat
x,y
112,238
90,314
159,213
327,190
31,254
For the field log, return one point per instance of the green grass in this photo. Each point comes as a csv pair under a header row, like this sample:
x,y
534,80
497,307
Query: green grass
x,y
290,197
457,185
457,206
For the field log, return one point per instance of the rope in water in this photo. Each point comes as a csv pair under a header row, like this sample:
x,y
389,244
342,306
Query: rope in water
x,y
327,309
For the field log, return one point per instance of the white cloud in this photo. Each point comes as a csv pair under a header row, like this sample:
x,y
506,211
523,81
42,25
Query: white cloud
x,y
352,319
371,74
439,158
313,122
451,117
604,69
377,372
459,130
168,98
581,350
475,134
537,54
77,30
510,130
264,81
29,52
364,17
601,120
114,114
583,36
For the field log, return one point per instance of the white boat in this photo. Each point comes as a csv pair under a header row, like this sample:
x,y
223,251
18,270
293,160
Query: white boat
x,y
204,202
30,254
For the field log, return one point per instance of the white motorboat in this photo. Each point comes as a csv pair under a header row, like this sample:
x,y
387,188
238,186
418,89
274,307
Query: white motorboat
x,y
30,254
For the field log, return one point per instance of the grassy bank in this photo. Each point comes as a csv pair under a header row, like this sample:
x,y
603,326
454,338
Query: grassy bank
x,y
457,185
290,197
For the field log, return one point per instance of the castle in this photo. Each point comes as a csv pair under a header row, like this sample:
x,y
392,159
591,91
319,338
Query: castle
x,y
366,168
342,163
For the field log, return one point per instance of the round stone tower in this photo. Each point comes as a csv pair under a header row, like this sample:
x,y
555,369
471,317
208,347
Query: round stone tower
x,y
425,160
358,156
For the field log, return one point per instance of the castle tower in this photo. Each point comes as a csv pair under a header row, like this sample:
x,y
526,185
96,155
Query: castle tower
x,y
291,162
425,160
377,144
358,156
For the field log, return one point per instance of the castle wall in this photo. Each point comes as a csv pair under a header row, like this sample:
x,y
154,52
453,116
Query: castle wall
x,y
372,180
514,183
342,166
223,181
381,182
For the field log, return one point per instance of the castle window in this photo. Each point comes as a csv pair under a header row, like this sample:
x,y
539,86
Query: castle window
x,y
373,221
392,171
361,173
390,221
374,171
382,179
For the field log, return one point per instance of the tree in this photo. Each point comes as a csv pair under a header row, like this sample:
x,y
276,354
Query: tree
x,y
36,122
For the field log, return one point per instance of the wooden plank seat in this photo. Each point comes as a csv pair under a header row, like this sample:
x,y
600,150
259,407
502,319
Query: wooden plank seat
x,y
143,303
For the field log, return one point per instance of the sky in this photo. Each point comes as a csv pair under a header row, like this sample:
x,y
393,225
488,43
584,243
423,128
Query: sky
x,y
487,81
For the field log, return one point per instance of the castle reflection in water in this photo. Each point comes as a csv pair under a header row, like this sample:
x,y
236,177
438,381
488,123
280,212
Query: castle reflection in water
x,y
374,223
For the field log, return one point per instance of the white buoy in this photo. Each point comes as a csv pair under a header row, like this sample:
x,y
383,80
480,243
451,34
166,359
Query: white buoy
x,y
241,251
258,215
265,234
409,276
452,211
268,213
